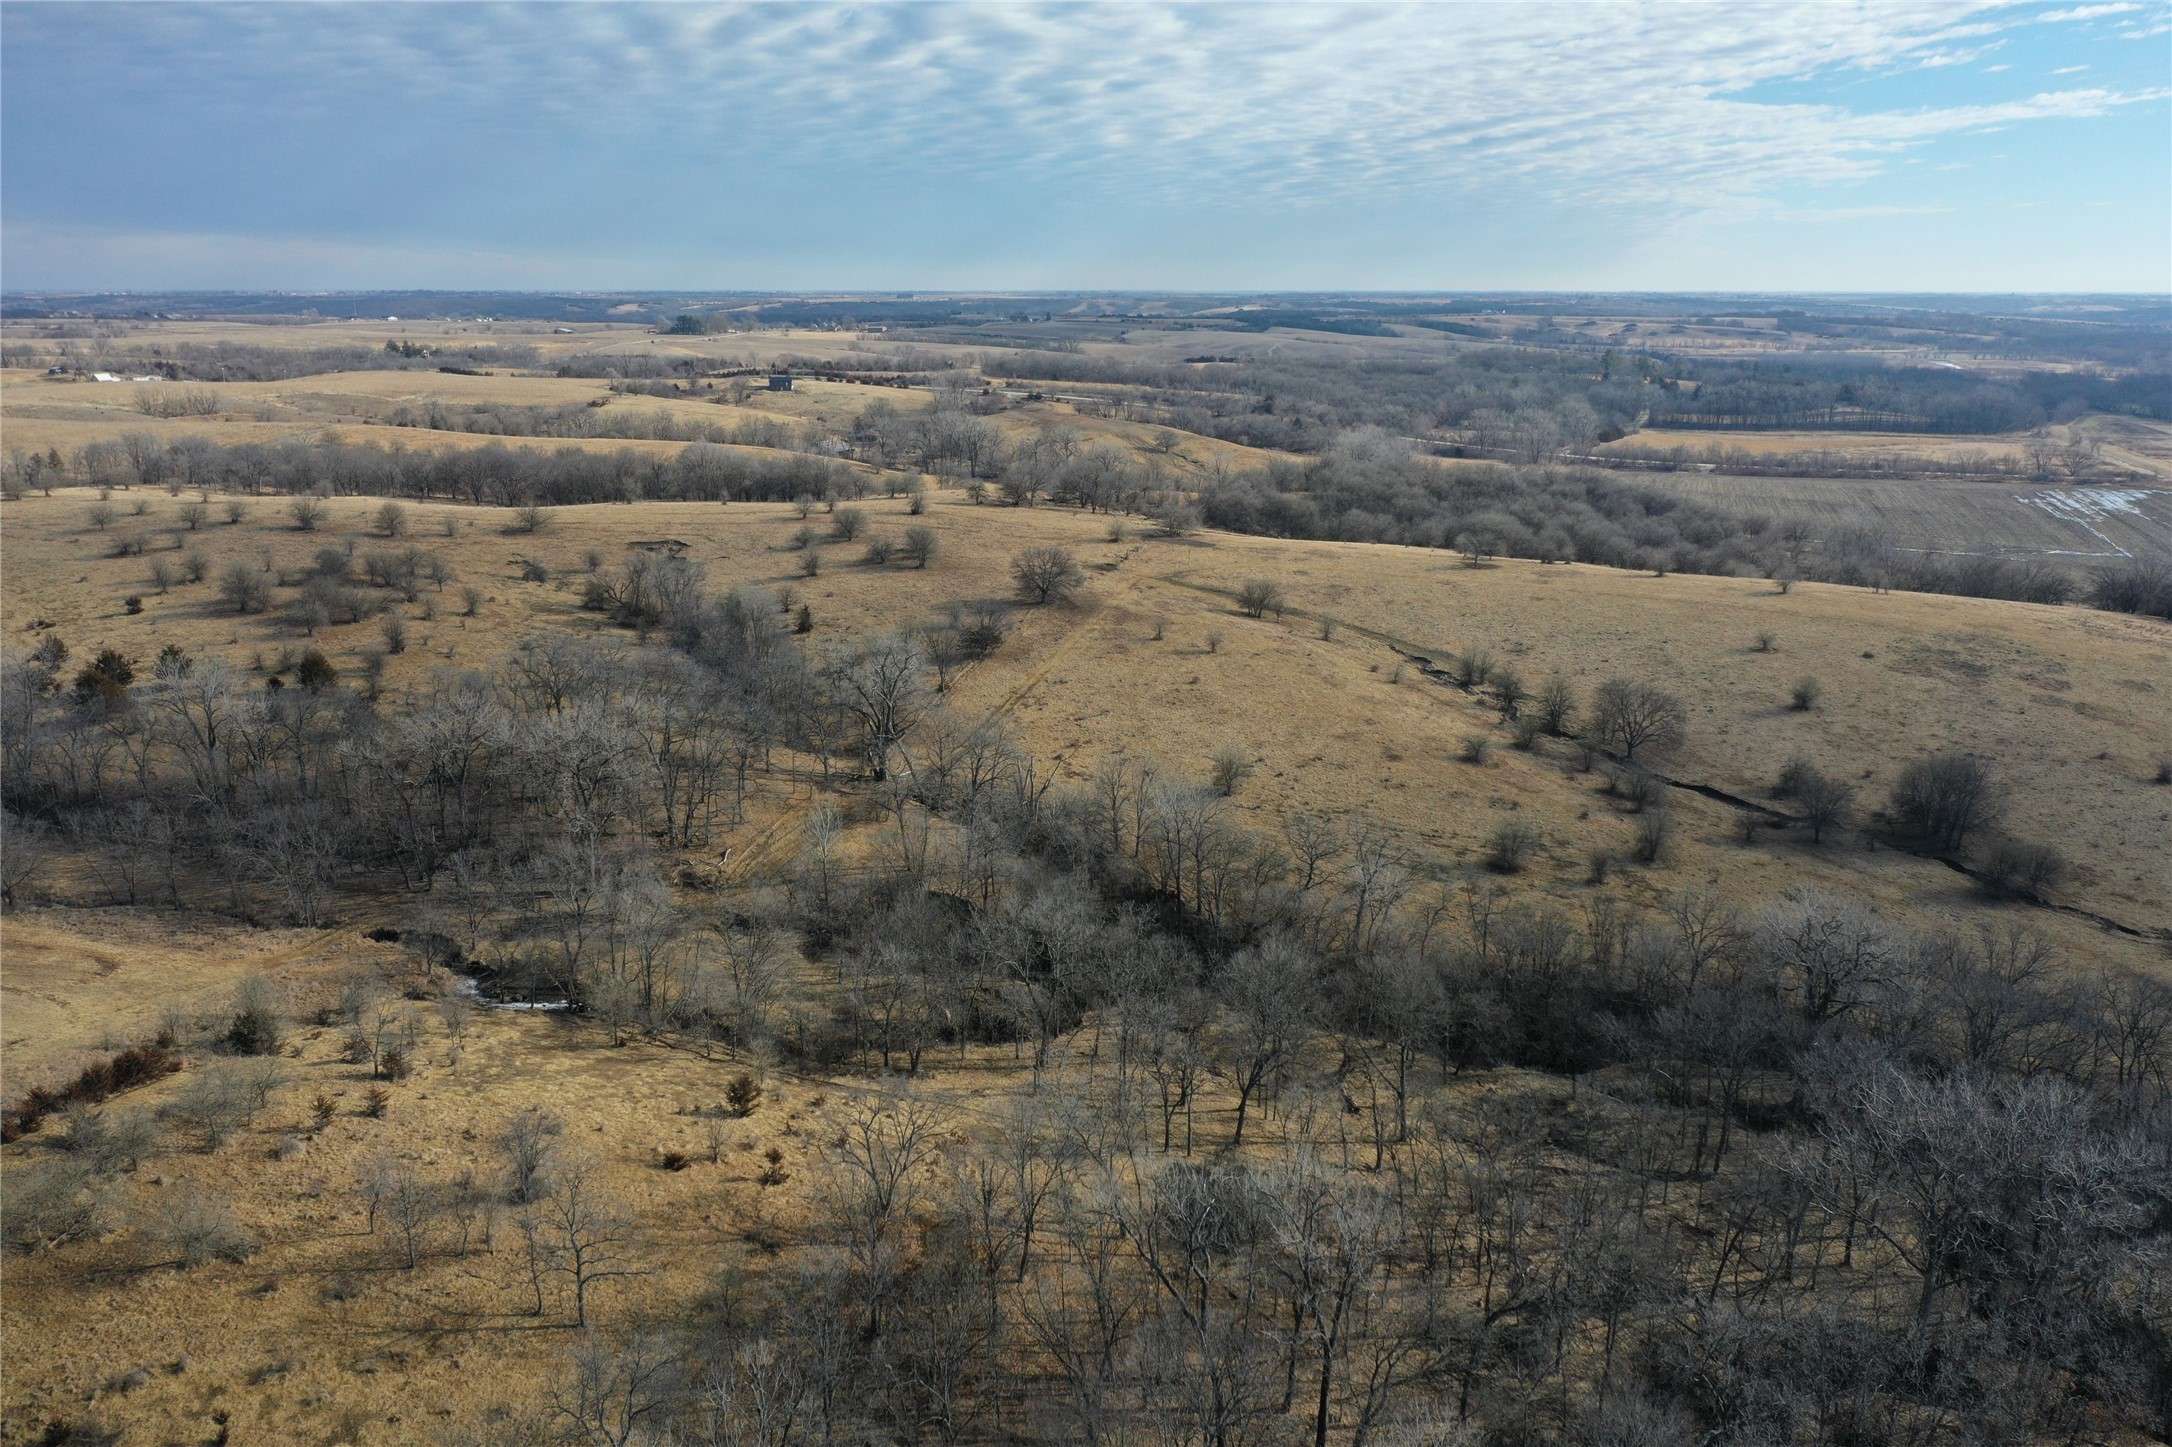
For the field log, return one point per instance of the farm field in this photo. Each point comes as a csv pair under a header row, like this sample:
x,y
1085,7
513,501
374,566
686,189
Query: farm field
x,y
2083,524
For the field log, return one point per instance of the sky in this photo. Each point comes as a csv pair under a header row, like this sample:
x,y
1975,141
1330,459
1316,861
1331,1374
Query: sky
x,y
1570,145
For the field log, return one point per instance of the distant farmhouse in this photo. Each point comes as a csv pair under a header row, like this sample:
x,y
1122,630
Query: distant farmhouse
x,y
780,383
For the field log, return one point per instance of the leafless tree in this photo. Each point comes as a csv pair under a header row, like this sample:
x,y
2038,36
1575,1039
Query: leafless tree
x,y
1627,716
1046,575
1943,799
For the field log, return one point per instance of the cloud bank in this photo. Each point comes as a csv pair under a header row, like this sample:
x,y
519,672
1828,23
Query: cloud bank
x,y
1610,110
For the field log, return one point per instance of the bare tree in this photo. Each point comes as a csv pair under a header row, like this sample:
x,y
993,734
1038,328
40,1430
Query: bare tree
x,y
528,1141
1943,799
1627,716
1046,575
1272,991
590,1235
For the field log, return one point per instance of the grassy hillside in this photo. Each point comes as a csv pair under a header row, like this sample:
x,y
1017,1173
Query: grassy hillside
x,y
890,1078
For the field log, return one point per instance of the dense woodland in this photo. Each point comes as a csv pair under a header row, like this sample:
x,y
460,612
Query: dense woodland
x,y
1320,1145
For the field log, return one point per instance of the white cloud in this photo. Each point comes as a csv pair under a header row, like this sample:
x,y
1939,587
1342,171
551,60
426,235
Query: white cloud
x,y
2086,12
1581,100
1577,103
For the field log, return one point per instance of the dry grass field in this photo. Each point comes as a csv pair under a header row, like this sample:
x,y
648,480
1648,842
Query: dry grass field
x,y
324,1336
327,1335
2073,698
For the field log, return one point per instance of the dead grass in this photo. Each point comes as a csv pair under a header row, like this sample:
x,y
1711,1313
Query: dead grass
x,y
2071,703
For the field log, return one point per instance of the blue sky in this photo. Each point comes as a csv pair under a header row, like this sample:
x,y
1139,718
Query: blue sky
x,y
1552,144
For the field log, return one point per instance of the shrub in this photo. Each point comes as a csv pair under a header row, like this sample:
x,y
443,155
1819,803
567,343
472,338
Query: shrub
x,y
847,523
108,1142
392,520
195,566
2138,585
315,672
215,1103
254,1027
375,1100
307,512
1508,691
1510,847
879,552
1655,831
1258,597
1940,800
1477,748
1526,733
198,1228
2015,869
743,1095
803,621
529,518
1767,642
236,510
133,604
245,587
1556,706
1640,789
132,1067
50,1204
1230,768
164,574
107,676
1804,696
921,544
810,564
676,1160
394,628
1827,804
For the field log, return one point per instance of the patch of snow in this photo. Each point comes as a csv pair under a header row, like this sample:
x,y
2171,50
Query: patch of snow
x,y
2086,507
